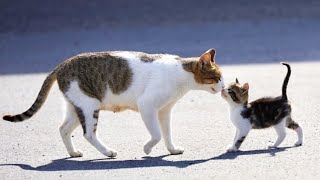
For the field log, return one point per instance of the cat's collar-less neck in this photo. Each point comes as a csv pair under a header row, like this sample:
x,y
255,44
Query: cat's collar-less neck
x,y
188,63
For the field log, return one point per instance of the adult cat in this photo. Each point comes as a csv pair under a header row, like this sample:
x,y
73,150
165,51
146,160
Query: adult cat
x,y
120,80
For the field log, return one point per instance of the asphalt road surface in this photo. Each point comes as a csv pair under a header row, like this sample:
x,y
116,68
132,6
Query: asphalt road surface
x,y
34,150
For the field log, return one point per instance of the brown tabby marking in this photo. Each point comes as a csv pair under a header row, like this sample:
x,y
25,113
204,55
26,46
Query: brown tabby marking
x,y
237,93
149,58
81,117
94,72
42,96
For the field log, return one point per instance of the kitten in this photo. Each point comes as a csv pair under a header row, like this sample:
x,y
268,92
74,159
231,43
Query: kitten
x,y
259,114
120,80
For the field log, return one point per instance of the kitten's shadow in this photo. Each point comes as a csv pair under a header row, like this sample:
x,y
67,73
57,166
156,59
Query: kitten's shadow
x,y
72,164
234,155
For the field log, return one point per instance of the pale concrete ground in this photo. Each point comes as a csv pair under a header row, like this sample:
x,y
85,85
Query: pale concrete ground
x,y
33,149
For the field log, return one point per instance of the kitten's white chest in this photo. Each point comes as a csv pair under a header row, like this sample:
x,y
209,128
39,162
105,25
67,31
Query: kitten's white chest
x,y
235,116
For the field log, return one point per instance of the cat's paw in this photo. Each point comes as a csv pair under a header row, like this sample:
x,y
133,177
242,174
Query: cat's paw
x,y
111,153
176,150
147,149
76,154
232,149
298,143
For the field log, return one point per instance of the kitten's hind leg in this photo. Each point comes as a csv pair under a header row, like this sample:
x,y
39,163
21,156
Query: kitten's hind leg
x,y
295,126
165,124
71,122
281,132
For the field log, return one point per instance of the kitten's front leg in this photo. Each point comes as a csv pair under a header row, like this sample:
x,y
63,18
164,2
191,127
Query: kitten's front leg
x,y
230,147
165,124
241,134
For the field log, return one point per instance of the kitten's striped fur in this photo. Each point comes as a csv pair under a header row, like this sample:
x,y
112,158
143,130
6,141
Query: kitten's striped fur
x,y
120,80
262,113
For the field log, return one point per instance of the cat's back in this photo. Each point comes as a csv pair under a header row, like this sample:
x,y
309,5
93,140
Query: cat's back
x,y
267,111
117,72
269,101
153,68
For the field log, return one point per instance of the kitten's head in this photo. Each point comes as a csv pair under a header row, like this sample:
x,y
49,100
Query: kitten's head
x,y
207,73
236,93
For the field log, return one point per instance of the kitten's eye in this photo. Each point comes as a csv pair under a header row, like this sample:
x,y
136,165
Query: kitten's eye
x,y
219,79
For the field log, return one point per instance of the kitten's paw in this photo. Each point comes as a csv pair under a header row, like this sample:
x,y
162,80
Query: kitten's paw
x,y
176,150
271,146
76,154
110,153
147,149
232,149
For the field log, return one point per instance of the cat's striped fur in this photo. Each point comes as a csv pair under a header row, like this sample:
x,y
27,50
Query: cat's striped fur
x,y
261,113
120,80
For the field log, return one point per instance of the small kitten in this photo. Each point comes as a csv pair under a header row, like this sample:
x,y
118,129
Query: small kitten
x,y
118,80
261,113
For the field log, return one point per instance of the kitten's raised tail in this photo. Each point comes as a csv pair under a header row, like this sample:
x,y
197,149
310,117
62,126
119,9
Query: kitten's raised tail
x,y
285,82
42,96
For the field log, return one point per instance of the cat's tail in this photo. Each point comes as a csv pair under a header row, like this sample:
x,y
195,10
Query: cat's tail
x,y
42,96
285,82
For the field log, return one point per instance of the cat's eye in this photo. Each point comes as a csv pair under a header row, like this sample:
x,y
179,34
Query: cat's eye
x,y
219,79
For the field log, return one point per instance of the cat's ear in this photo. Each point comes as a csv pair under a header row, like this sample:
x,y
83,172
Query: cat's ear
x,y
245,87
208,57
237,81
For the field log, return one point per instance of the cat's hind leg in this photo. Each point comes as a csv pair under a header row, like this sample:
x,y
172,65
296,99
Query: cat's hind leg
x,y
281,132
165,124
295,126
90,119
71,122
87,110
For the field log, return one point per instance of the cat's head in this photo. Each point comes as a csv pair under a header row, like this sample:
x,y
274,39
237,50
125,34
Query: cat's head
x,y
207,73
236,93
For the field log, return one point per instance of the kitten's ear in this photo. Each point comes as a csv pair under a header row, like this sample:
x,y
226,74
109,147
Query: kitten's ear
x,y
208,57
237,81
245,87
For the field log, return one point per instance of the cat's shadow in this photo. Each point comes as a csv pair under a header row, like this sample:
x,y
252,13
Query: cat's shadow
x,y
70,164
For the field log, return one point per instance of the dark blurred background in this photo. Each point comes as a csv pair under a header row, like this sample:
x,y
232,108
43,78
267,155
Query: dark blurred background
x,y
36,35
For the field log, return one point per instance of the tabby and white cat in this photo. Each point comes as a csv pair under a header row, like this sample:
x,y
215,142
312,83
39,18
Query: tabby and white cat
x,y
259,114
120,80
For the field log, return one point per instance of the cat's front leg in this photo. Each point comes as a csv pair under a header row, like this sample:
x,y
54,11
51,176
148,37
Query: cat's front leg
x,y
149,116
165,124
